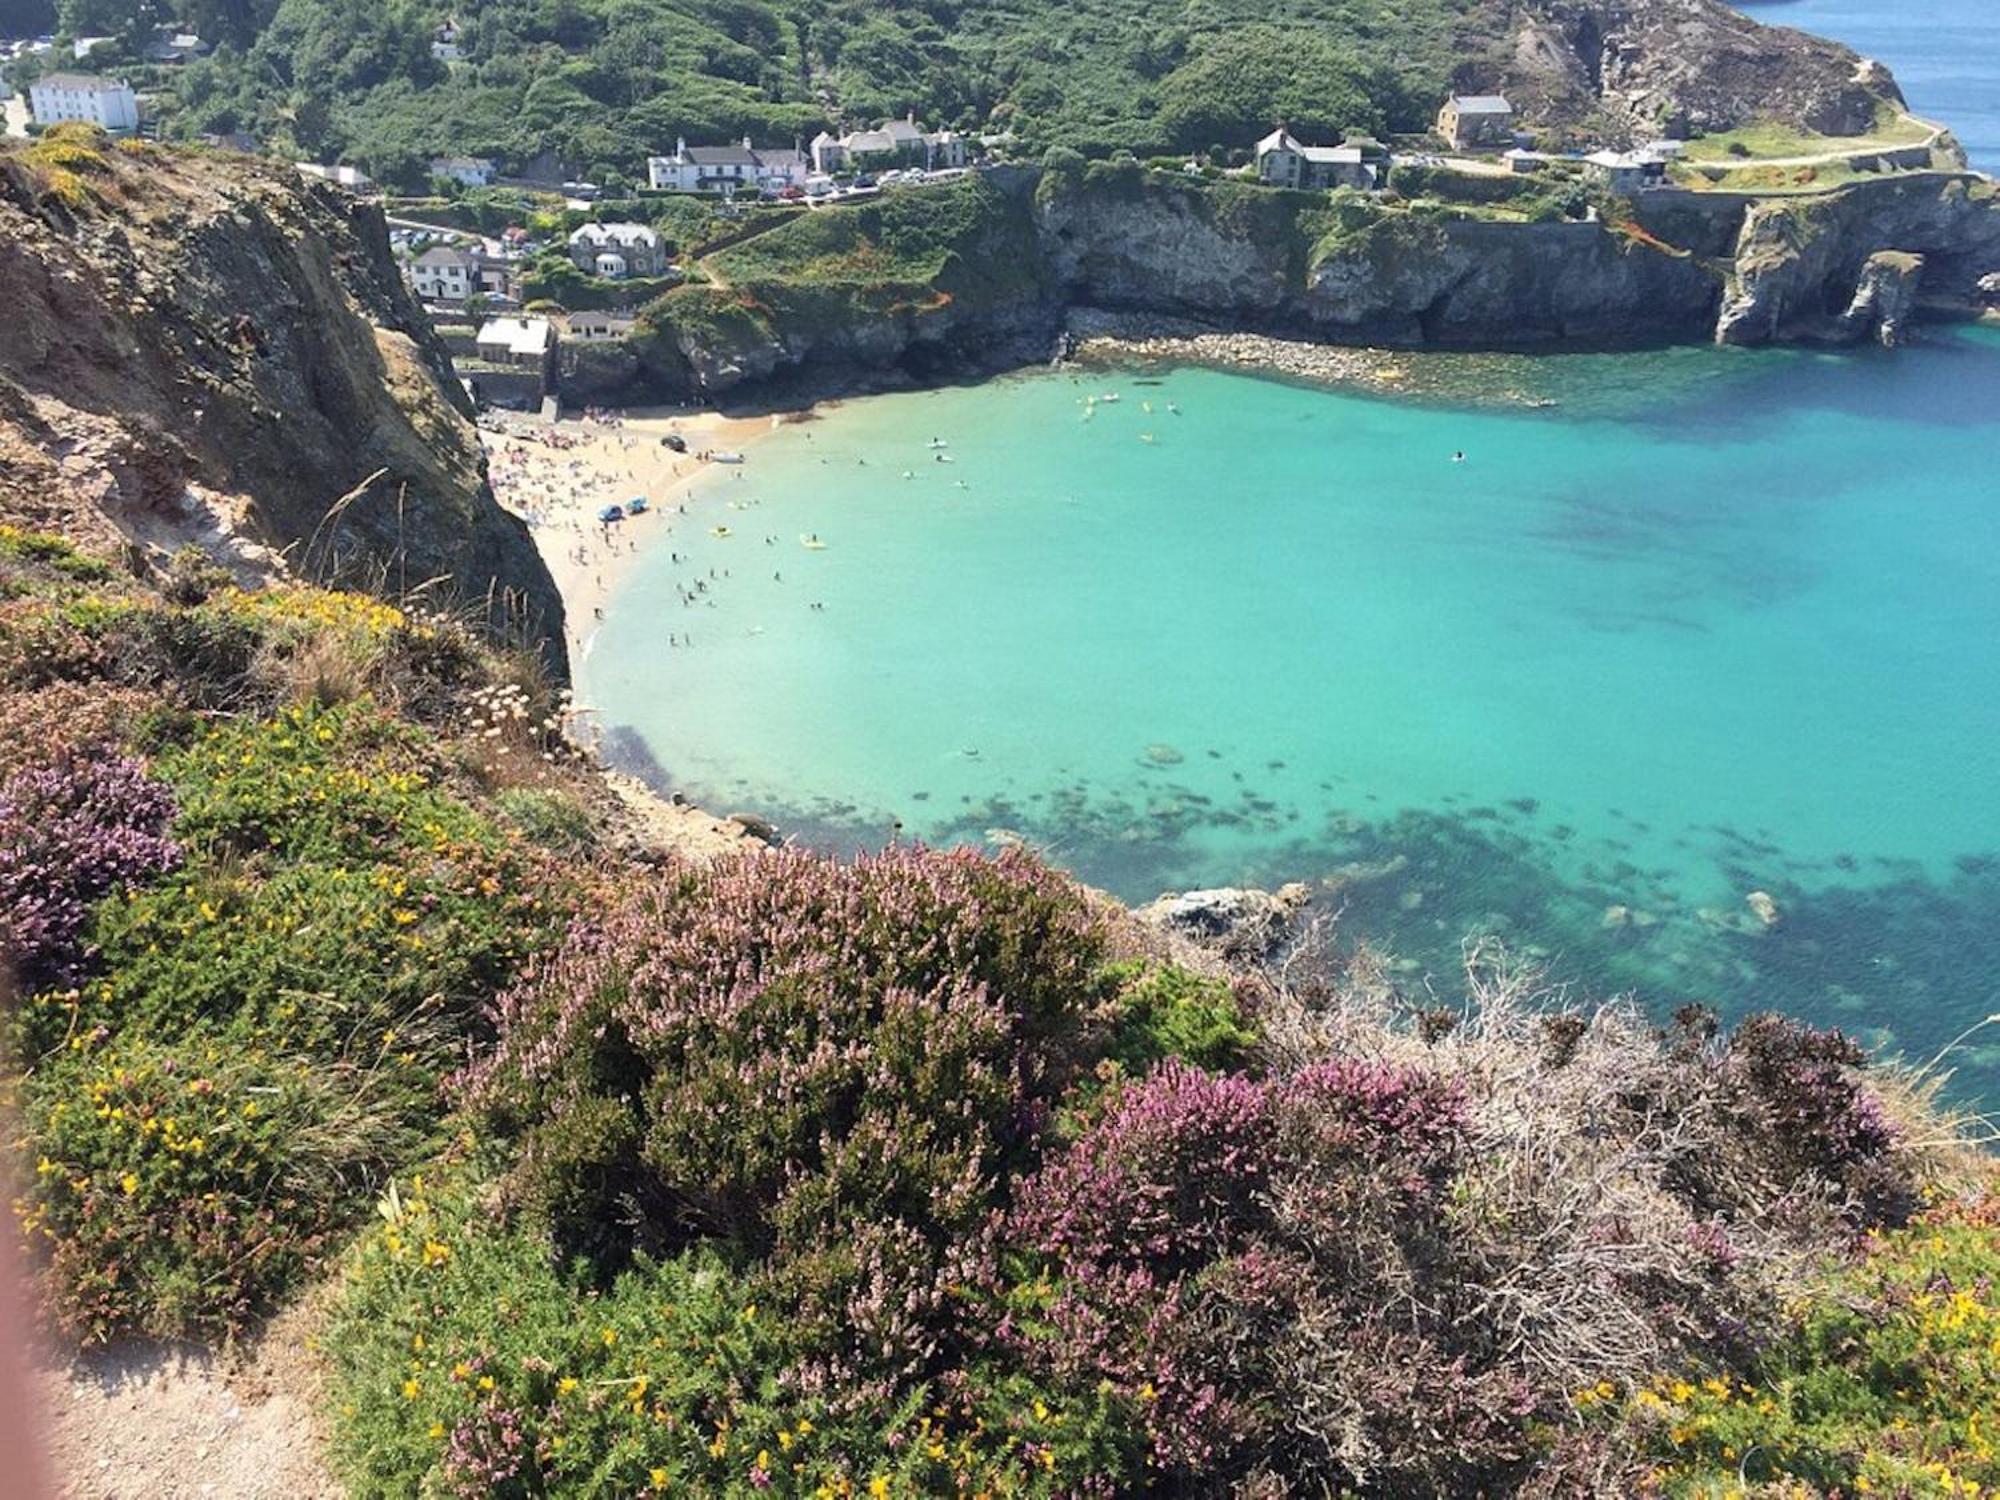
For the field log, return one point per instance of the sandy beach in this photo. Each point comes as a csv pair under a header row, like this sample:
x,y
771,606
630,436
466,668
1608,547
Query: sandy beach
x,y
558,477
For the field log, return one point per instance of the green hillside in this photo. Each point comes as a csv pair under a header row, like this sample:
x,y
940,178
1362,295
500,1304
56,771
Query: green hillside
x,y
603,82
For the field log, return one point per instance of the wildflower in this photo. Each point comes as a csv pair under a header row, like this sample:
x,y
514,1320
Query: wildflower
x,y
129,1182
658,1478
566,1385
436,1254
878,1487
610,1336
412,1389
436,1430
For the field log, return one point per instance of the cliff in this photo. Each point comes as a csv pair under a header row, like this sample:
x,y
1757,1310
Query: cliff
x,y
201,347
1633,68
840,297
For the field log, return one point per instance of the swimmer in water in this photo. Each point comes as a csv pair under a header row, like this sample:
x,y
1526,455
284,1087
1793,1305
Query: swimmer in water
x,y
1458,457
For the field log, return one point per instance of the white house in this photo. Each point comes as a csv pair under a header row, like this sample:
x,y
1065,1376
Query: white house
x,y
76,96
445,273
466,171
1285,161
727,170
446,42
352,178
1626,171
615,251
523,342
893,142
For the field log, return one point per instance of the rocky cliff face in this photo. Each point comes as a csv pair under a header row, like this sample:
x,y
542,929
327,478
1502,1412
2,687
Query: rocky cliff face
x,y
202,348
1633,68
1852,264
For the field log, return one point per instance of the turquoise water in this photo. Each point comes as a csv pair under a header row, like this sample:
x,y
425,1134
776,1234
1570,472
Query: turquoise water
x,y
1719,622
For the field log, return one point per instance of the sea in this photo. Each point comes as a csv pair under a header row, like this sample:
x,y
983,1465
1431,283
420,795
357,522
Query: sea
x,y
1675,672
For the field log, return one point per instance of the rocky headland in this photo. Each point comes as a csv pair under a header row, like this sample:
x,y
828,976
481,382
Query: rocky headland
x,y
203,348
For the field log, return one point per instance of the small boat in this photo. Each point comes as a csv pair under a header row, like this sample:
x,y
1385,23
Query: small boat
x,y
637,506
945,458
1147,437
1108,396
729,458
720,533
811,542
611,513
939,443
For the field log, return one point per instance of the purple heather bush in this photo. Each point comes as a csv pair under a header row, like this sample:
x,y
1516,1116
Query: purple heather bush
x,y
1215,1248
830,1066
70,834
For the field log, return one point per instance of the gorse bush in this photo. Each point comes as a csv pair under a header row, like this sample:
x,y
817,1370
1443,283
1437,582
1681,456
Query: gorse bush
x,y
236,1031
1887,1384
469,1364
829,1066
180,1183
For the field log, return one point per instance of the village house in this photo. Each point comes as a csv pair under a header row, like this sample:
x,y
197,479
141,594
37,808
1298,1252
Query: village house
x,y
1284,161
727,170
466,171
447,42
892,143
1473,122
599,327
615,251
520,342
352,178
445,273
78,96
175,48
1626,172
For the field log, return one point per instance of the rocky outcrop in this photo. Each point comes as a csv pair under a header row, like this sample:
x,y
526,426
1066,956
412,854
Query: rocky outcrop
x,y
1244,926
1633,69
1885,298
1839,266
201,347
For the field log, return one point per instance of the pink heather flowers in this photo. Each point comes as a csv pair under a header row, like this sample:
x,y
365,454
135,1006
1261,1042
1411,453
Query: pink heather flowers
x,y
71,834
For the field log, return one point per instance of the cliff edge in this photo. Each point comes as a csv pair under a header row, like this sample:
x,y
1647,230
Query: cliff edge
x,y
200,347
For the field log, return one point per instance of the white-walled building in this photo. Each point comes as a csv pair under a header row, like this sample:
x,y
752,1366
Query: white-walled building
x,y
466,171
892,143
444,273
727,170
76,96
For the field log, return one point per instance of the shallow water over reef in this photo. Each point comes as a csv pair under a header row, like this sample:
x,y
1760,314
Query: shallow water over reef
x,y
1717,622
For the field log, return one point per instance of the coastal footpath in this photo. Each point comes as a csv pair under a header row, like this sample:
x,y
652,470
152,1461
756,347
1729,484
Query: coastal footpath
x,y
986,273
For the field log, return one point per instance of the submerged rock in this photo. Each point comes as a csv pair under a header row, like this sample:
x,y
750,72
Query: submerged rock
x,y
1763,908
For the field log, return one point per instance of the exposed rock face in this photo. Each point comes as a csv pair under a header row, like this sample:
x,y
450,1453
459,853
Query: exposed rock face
x,y
1885,297
1636,68
1242,925
204,345
1803,267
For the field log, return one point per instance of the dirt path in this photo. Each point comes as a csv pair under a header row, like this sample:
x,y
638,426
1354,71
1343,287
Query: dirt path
x,y
142,1422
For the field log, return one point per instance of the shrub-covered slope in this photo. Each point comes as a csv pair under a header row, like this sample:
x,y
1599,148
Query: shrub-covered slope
x,y
600,83
921,1175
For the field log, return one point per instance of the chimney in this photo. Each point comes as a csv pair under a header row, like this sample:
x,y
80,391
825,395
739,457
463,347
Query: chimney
x,y
681,147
